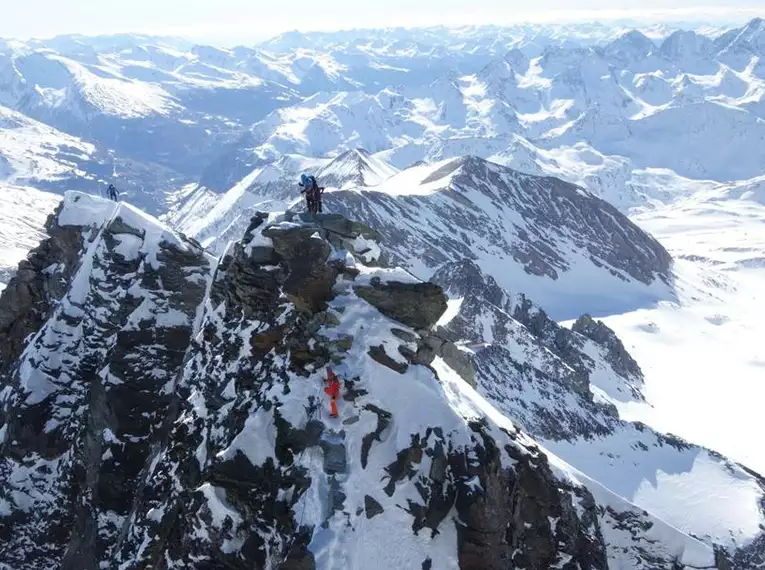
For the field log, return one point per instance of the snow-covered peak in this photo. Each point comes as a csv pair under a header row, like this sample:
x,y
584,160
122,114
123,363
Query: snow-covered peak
x,y
686,44
538,234
630,47
355,167
753,34
738,45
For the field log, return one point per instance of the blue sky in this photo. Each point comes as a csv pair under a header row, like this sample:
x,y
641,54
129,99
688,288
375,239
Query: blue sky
x,y
246,21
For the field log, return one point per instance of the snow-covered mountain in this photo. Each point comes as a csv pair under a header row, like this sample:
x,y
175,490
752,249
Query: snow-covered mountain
x,y
573,251
201,111
489,152
164,407
598,115
598,105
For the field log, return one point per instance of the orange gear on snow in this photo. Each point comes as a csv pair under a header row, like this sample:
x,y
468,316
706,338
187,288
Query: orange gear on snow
x,y
332,389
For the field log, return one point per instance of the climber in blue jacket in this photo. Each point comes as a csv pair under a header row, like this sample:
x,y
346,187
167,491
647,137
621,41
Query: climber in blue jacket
x,y
312,192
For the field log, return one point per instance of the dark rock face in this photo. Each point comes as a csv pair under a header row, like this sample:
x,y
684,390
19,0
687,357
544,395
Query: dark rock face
x,y
504,377
172,415
372,508
418,305
31,294
379,355
619,358
483,297
432,344
309,279
91,397
507,524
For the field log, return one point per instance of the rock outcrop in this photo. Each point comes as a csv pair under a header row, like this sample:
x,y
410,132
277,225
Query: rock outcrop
x,y
417,305
87,401
169,413
41,280
617,355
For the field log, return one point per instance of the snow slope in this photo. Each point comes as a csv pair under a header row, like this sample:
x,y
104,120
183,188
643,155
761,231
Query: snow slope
x,y
22,216
702,355
572,392
31,152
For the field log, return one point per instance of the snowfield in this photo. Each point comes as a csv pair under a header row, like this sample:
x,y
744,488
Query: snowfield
x,y
702,355
23,212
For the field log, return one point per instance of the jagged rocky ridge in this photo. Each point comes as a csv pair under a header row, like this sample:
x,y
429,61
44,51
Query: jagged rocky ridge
x,y
164,411
530,233
568,388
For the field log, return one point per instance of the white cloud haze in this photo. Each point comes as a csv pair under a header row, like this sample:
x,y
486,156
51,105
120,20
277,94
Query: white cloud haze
x,y
243,21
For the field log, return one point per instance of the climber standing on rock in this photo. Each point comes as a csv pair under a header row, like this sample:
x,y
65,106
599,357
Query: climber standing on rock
x,y
332,389
113,194
312,190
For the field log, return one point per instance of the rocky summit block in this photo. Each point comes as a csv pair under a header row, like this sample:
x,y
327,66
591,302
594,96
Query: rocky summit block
x,y
418,305
618,356
304,253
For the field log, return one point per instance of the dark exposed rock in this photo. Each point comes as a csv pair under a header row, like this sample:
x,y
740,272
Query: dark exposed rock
x,y
263,342
404,335
119,226
430,346
372,508
459,361
256,221
336,498
506,519
335,460
617,355
342,226
309,278
262,255
404,465
344,343
240,284
105,407
418,305
379,355
30,296
383,421
352,392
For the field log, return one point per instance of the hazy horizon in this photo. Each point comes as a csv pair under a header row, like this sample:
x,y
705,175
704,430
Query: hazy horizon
x,y
232,22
